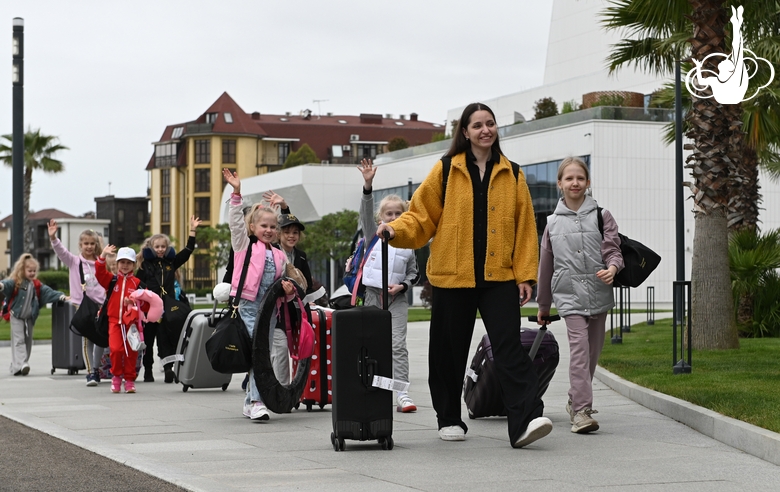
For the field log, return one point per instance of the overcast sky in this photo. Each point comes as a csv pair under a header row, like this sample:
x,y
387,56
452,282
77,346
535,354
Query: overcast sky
x,y
106,77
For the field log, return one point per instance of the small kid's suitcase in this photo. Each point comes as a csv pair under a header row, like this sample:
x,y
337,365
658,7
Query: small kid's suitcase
x,y
191,364
318,389
481,388
362,349
66,347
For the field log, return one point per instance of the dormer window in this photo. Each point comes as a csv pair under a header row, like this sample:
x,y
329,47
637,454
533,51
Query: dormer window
x,y
211,118
177,132
228,118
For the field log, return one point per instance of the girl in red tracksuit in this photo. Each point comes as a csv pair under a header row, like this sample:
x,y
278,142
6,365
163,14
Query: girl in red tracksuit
x,y
123,358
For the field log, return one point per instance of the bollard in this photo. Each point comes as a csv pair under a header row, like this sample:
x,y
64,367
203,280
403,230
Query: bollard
x,y
616,338
625,327
650,305
679,318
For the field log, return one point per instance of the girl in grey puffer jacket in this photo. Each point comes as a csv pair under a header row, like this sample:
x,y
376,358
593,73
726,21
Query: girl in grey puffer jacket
x,y
576,269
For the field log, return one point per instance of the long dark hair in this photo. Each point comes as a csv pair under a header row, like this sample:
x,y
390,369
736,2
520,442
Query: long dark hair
x,y
459,142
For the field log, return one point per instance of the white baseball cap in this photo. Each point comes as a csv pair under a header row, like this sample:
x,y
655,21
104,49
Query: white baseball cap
x,y
125,254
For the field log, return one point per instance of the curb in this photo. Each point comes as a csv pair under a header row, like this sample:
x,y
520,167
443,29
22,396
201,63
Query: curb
x,y
749,438
7,343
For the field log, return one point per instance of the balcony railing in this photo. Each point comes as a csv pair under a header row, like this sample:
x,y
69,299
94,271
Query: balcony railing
x,y
199,128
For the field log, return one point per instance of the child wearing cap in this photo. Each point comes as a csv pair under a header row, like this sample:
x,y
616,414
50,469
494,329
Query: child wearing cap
x,y
123,358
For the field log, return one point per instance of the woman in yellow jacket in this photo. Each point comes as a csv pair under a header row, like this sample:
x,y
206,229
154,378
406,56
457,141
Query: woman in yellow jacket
x,y
484,256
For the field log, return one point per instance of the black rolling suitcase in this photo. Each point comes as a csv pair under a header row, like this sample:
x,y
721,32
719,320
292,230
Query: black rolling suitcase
x,y
67,351
362,349
481,388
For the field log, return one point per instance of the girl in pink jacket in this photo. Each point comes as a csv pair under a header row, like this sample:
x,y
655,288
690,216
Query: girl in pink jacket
x,y
90,246
266,265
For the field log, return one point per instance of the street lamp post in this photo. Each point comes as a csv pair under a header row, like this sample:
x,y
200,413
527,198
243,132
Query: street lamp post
x,y
17,150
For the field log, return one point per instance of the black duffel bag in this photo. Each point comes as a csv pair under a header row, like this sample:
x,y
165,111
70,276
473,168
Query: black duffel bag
x,y
86,322
229,348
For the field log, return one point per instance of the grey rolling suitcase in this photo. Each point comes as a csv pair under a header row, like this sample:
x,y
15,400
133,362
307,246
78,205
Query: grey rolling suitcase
x,y
192,366
67,351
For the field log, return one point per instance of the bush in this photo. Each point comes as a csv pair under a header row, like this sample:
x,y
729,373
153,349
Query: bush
x,y
397,143
426,295
570,106
753,262
544,108
56,279
610,100
304,155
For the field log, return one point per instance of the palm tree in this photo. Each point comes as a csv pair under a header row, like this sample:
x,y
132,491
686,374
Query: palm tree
x,y
39,151
659,33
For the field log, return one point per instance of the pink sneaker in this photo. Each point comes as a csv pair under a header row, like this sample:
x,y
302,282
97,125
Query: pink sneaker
x,y
129,386
116,382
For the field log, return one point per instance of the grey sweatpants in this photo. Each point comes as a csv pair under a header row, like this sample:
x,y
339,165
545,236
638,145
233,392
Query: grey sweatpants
x,y
399,309
586,339
21,342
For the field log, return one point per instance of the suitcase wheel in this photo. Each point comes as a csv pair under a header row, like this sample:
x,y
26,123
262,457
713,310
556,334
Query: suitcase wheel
x,y
225,386
338,443
308,407
71,372
386,443
322,405
184,388
52,370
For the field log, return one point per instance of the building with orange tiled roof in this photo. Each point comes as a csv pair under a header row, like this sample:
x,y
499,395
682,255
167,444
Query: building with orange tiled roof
x,y
186,165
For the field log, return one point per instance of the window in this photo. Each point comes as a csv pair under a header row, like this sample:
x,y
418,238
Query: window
x,y
211,118
284,151
228,152
203,208
166,209
165,155
120,219
165,178
202,180
177,132
366,151
165,229
202,268
202,151
228,118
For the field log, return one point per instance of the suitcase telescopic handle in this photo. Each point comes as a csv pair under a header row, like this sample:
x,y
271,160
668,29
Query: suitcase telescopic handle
x,y
540,334
385,273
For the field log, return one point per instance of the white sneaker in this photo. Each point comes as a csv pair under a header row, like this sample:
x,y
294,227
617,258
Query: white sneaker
x,y
248,411
452,433
405,404
537,429
25,369
258,412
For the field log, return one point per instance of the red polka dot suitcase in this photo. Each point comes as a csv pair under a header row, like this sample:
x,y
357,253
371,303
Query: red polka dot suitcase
x,y
318,389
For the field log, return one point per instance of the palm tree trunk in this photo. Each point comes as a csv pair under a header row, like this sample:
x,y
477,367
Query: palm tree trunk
x,y
744,202
28,241
717,146
712,309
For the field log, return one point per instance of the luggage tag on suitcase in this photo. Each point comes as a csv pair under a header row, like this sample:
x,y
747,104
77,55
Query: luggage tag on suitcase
x,y
389,384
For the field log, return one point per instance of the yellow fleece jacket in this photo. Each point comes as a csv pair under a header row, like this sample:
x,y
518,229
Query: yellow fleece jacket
x,y
512,249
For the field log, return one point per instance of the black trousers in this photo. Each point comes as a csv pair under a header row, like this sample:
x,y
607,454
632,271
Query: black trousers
x,y
453,313
150,334
167,339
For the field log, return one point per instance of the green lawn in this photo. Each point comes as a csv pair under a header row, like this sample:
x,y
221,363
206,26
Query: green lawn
x,y
738,383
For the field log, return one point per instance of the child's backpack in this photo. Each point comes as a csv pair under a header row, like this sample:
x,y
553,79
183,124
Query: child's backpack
x,y
353,270
8,300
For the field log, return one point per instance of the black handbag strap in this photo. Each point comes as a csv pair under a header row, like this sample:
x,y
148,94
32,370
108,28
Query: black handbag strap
x,y
240,287
81,274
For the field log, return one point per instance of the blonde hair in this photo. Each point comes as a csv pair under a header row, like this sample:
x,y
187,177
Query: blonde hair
x,y
94,236
573,160
255,212
387,201
18,271
149,243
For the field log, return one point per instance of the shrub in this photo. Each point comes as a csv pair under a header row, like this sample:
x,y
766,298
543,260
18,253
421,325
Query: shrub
x,y
570,106
753,263
56,279
544,108
397,143
609,100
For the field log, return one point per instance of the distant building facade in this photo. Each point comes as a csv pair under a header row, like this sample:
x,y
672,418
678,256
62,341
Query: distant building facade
x,y
128,218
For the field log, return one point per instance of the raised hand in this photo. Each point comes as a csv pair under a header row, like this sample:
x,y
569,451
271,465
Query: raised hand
x,y
110,249
194,222
52,226
274,199
368,171
231,178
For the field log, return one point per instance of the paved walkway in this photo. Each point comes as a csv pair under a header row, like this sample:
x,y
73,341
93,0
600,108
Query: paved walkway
x,y
200,441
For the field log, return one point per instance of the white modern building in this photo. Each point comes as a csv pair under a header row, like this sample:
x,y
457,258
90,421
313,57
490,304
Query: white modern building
x,y
632,170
